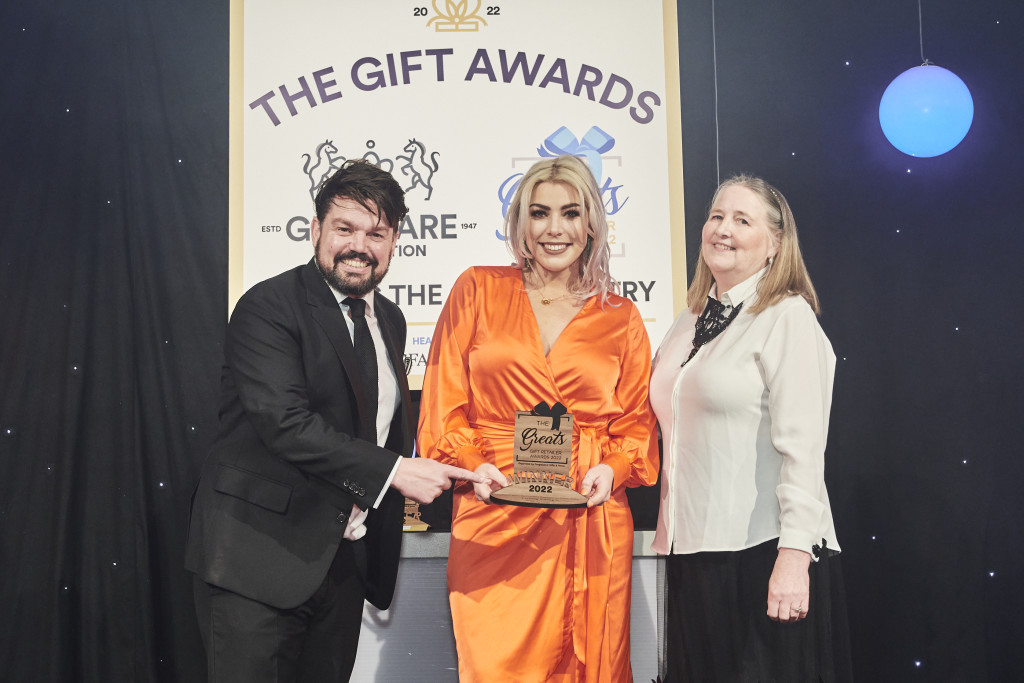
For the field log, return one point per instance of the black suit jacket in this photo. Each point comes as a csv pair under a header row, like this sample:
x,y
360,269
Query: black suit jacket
x,y
296,448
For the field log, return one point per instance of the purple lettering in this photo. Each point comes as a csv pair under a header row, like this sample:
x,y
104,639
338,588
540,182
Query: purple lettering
x,y
407,66
481,65
376,76
391,69
304,92
322,85
613,81
557,74
642,102
265,103
439,55
589,78
519,62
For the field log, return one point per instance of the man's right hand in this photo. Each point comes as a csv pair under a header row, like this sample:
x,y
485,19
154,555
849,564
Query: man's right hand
x,y
423,480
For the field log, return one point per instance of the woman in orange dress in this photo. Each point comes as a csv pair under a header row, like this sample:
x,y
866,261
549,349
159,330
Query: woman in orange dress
x,y
542,594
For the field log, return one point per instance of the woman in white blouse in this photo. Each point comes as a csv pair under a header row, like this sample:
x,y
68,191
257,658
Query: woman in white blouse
x,y
742,387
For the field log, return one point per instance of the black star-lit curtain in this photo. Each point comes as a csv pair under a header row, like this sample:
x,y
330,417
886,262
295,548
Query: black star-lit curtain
x,y
113,270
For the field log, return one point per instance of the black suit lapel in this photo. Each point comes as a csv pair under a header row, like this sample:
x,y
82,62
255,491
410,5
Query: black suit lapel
x,y
327,313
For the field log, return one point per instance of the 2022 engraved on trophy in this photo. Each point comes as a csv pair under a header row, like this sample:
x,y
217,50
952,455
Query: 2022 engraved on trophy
x,y
542,461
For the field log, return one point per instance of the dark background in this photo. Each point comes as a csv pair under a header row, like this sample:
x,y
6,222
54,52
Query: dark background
x,y
113,292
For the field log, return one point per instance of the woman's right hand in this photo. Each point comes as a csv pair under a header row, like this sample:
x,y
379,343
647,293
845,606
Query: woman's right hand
x,y
495,480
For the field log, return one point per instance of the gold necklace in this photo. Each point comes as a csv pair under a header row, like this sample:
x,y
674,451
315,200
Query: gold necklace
x,y
548,300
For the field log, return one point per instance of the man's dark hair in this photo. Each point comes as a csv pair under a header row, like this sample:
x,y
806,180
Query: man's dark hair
x,y
362,182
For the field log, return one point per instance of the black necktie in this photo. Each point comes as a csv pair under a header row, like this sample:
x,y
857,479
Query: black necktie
x,y
712,321
365,353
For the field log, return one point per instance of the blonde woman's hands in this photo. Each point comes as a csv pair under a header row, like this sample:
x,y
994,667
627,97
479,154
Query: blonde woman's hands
x,y
493,480
597,484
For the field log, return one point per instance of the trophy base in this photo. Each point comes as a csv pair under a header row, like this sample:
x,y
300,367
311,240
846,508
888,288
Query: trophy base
x,y
539,496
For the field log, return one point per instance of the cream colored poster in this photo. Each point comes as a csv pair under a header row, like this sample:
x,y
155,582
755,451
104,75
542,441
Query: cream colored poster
x,y
456,100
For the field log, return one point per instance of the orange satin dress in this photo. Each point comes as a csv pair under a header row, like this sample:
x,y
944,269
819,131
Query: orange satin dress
x,y
538,594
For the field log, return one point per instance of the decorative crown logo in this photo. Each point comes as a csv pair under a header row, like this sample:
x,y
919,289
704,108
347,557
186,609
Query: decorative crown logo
x,y
456,16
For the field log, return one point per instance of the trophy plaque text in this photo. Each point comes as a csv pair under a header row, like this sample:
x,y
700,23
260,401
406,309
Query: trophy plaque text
x,y
542,461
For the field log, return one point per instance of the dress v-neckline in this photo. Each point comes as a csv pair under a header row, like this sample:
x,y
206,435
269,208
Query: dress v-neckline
x,y
539,339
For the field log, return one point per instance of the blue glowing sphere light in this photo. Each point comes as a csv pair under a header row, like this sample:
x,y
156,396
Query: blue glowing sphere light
x,y
926,111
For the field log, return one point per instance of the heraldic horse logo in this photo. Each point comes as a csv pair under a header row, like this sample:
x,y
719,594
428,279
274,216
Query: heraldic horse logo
x,y
417,166
327,162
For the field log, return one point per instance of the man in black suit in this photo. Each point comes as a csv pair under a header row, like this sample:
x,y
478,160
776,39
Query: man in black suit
x,y
298,513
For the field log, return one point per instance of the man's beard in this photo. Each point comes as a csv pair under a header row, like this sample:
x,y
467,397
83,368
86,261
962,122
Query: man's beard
x,y
348,285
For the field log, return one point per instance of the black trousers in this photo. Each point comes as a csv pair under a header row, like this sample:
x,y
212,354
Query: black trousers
x,y
249,642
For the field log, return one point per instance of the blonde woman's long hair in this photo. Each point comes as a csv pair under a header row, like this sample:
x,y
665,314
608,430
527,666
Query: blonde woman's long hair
x,y
591,275
787,275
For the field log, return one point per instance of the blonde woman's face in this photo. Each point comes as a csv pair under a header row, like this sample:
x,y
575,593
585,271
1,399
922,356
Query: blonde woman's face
x,y
556,232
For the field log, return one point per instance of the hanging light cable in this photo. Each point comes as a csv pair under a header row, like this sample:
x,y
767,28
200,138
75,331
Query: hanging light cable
x,y
714,65
920,34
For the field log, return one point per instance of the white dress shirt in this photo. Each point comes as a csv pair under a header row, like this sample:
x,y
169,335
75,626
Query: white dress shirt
x,y
744,426
388,400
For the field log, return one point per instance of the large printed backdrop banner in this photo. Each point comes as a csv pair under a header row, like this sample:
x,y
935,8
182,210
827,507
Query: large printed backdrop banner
x,y
457,100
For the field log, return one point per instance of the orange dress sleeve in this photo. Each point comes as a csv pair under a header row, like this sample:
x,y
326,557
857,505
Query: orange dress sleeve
x,y
633,438
444,431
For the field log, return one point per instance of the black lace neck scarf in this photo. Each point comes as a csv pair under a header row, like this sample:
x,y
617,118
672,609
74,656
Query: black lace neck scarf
x,y
712,321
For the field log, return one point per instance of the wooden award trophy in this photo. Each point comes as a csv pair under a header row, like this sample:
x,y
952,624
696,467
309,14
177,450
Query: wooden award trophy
x,y
412,517
542,461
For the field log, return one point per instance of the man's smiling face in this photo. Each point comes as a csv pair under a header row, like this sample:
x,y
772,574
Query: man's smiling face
x,y
353,246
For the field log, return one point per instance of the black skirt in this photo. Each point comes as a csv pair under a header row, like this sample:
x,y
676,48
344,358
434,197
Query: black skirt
x,y
718,630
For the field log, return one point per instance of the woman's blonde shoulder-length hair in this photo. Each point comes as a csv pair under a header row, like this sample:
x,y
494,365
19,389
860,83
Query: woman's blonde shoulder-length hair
x,y
787,275
591,275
